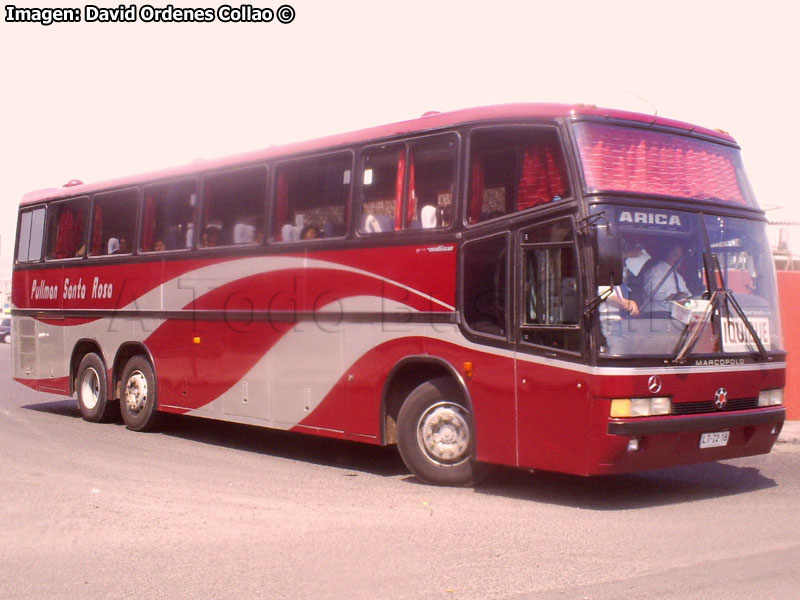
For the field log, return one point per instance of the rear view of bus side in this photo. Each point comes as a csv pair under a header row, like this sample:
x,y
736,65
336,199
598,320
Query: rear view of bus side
x,y
552,287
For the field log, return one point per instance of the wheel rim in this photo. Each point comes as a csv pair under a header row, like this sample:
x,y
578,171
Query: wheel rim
x,y
136,392
90,388
443,433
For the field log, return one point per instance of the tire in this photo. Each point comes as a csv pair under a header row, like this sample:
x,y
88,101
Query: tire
x,y
138,395
92,388
7,338
436,437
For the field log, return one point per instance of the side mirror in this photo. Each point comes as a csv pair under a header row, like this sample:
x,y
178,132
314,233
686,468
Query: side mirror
x,y
608,253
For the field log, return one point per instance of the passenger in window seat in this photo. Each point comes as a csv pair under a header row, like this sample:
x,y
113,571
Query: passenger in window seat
x,y
427,216
309,233
211,235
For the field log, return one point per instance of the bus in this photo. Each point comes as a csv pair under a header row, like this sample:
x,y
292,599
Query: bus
x,y
545,286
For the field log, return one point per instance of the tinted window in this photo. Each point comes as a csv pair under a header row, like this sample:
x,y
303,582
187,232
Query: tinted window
x,y
550,287
311,198
513,169
431,184
382,190
66,228
169,213
114,217
409,186
233,208
485,284
31,234
25,219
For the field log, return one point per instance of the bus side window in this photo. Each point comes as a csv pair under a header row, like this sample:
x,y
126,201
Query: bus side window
x,y
233,208
66,228
431,180
169,213
512,170
550,310
485,280
31,235
311,198
114,217
409,185
382,190
550,287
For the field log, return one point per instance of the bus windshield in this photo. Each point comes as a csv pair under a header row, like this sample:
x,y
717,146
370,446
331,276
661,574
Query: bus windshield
x,y
672,262
639,161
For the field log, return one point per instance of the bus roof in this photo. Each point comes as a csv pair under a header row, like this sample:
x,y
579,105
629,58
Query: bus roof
x,y
428,122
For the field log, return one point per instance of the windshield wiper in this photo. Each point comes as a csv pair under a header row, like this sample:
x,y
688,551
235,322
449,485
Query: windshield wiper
x,y
591,305
696,327
721,294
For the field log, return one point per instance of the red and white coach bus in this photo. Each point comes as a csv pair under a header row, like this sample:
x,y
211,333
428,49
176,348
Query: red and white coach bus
x,y
552,287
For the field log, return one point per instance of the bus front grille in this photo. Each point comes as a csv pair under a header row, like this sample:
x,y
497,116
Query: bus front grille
x,y
694,408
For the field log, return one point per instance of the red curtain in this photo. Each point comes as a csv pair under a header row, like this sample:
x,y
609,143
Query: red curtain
x,y
149,224
556,173
411,210
66,223
69,237
476,190
77,230
543,176
398,195
97,230
632,160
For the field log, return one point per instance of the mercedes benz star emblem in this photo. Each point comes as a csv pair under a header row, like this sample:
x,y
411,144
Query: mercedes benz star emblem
x,y
654,384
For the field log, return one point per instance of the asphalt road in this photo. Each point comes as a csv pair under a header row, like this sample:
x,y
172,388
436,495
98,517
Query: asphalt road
x,y
213,510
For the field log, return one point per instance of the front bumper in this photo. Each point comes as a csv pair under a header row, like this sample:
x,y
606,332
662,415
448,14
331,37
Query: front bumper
x,y
705,422
674,440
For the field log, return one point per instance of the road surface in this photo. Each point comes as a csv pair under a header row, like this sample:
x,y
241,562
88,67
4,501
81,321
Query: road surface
x,y
214,510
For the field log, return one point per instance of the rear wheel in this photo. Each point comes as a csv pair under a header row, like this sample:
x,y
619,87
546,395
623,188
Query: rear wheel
x,y
92,385
7,338
138,401
435,435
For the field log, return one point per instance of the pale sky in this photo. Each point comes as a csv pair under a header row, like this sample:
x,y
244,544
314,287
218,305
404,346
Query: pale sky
x,y
94,100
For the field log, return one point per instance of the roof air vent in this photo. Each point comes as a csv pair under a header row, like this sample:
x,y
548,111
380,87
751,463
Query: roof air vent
x,y
73,183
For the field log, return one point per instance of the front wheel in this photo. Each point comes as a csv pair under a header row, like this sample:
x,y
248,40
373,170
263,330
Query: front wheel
x,y
138,400
7,338
92,385
435,435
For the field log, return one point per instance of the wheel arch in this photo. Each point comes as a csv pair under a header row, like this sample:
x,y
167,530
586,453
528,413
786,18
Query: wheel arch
x,y
406,375
124,353
81,348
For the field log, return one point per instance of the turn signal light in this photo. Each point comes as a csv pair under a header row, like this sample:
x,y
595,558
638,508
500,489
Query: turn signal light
x,y
640,407
770,397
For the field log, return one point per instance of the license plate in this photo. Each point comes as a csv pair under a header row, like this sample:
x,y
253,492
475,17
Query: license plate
x,y
714,439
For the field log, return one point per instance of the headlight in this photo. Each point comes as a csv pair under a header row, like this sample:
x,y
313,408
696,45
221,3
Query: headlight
x,y
640,407
770,397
